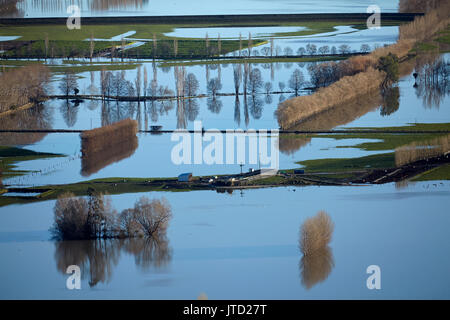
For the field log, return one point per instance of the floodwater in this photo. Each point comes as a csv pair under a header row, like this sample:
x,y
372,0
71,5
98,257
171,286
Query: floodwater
x,y
244,248
58,8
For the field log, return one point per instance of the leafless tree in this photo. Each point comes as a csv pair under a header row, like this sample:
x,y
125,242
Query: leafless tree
x,y
145,81
137,82
91,47
271,46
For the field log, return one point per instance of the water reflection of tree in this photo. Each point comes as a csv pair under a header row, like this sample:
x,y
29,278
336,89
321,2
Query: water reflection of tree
x,y
316,267
98,258
38,117
69,112
214,104
47,6
334,117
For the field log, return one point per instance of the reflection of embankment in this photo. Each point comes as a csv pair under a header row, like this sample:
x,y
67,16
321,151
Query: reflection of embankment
x,y
97,258
36,117
422,150
103,146
95,161
329,119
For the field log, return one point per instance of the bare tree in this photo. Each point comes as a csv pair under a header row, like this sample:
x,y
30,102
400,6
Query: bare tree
x,y
219,44
207,44
145,81
155,45
282,86
288,51
301,51
266,51
333,50
175,47
296,81
344,49
268,87
365,48
324,50
46,45
271,46
250,44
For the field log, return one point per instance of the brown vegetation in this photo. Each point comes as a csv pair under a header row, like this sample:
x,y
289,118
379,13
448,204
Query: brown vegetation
x,y
422,150
21,86
103,138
